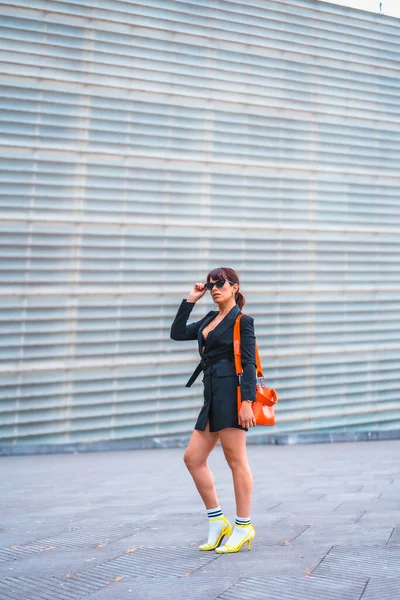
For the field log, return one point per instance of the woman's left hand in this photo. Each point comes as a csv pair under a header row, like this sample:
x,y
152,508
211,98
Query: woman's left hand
x,y
246,416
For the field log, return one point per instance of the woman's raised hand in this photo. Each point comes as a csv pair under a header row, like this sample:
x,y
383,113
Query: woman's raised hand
x,y
197,292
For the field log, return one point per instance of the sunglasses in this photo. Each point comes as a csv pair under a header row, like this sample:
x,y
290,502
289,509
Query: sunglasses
x,y
218,284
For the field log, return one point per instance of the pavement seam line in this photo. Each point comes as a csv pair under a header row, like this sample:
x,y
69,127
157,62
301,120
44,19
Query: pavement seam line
x,y
216,557
299,534
323,558
365,587
391,534
360,517
229,587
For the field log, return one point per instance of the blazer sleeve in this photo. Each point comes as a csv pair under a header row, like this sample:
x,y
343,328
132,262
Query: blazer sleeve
x,y
248,355
180,330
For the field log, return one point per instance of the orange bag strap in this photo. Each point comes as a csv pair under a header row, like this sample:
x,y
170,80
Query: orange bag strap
x,y
236,350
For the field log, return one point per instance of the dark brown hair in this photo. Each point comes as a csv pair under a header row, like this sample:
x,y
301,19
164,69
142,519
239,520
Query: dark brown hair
x,y
230,275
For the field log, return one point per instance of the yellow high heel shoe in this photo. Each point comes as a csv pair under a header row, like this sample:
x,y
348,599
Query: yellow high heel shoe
x,y
225,531
227,548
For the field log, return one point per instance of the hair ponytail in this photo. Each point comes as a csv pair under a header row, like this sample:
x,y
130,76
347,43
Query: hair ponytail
x,y
240,299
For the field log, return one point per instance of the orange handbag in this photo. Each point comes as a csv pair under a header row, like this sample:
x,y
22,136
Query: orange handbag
x,y
266,398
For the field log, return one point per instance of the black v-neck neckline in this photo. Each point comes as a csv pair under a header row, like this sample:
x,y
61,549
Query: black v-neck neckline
x,y
218,329
206,338
217,325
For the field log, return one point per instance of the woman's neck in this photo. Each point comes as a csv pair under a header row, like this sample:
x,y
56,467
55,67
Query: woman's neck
x,y
225,307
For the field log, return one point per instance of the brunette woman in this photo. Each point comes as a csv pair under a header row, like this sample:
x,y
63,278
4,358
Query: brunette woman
x,y
219,418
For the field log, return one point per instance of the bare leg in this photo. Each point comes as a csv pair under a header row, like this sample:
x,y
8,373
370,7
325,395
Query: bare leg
x,y
234,446
200,445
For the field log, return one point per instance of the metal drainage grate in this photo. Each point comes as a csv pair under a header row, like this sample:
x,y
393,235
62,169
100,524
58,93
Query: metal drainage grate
x,y
306,588
73,538
29,588
369,561
382,589
7,554
143,562
156,562
78,537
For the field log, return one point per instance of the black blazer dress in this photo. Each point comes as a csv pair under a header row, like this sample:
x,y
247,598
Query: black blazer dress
x,y
217,363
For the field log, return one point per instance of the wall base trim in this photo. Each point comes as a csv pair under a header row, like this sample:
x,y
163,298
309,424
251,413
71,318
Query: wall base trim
x,y
253,438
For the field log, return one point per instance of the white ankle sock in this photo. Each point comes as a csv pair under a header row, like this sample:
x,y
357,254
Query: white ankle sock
x,y
214,512
215,526
242,521
241,529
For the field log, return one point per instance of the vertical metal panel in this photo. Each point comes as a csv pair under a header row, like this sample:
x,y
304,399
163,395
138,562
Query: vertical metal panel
x,y
143,143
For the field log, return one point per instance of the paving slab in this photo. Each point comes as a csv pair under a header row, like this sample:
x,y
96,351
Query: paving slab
x,y
371,561
271,588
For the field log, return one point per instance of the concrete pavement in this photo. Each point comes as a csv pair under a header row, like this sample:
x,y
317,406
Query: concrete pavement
x,y
126,525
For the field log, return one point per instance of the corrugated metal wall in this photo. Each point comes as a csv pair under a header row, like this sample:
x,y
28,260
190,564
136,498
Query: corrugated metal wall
x,y
143,143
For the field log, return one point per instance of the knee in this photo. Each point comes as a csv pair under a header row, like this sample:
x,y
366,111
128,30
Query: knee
x,y
191,461
235,462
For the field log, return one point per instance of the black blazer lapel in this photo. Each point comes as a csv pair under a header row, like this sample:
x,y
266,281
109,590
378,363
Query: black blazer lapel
x,y
205,323
226,322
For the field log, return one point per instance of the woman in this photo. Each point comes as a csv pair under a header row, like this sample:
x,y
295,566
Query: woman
x,y
218,418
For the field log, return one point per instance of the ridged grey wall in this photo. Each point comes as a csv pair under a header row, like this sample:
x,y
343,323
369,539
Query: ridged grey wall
x,y
143,143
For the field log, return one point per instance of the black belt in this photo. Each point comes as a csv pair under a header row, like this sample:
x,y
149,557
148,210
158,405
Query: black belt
x,y
202,366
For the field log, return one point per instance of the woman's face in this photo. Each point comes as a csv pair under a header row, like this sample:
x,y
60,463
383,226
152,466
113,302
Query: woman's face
x,y
224,293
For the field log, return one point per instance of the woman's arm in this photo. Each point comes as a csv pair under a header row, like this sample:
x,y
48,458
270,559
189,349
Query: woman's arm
x,y
179,329
248,354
